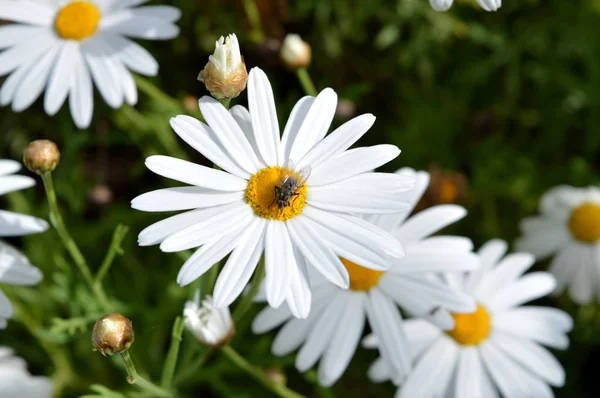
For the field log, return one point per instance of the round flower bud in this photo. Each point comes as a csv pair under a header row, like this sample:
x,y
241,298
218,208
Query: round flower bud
x,y
41,156
225,75
295,53
112,334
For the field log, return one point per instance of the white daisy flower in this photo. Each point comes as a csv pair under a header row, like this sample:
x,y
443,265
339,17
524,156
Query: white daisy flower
x,y
568,229
64,45
15,380
15,269
292,196
212,327
337,320
495,351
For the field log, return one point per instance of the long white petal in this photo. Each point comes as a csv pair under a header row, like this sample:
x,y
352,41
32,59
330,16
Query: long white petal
x,y
429,221
26,12
293,125
15,268
183,198
279,260
59,81
81,98
133,56
264,116
14,224
532,286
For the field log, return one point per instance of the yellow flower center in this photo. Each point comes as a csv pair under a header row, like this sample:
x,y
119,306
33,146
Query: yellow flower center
x,y
471,329
584,222
361,278
77,20
274,193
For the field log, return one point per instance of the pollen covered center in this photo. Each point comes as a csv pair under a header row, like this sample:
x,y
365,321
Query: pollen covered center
x,y
471,329
274,194
584,222
77,20
361,278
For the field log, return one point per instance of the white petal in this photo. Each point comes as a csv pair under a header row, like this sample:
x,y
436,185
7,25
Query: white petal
x,y
13,183
194,174
264,116
299,296
506,273
127,83
413,196
338,354
102,66
315,124
183,198
160,13
490,253
140,27
293,125
14,224
22,56
338,141
81,99
421,261
240,265
6,309
15,269
420,335
115,5
562,266
359,200
13,34
469,374
386,322
133,56
243,119
429,221
270,318
279,259
317,253
200,137
26,12
351,163
581,288
544,242
532,286
378,182
9,167
59,82
233,217
379,371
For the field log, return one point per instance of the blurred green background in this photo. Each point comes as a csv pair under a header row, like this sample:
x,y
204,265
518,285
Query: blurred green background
x,y
499,106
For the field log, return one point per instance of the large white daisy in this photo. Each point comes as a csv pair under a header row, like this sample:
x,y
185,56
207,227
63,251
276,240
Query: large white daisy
x,y
15,380
333,328
15,269
495,351
568,228
235,210
64,45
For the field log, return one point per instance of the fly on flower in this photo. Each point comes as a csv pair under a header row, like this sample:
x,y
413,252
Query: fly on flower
x,y
289,184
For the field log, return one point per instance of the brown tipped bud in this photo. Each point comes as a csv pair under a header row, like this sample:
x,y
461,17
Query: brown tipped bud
x,y
212,327
295,53
41,156
225,75
112,334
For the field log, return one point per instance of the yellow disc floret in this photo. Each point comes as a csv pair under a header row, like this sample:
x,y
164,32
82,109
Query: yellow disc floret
x,y
471,329
584,222
77,20
261,194
361,278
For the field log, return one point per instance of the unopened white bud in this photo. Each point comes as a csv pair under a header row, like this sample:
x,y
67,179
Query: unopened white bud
x,y
295,53
225,75
212,327
441,5
490,5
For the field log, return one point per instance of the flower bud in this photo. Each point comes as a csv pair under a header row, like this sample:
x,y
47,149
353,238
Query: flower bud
x,y
212,327
112,334
41,156
295,53
225,74
490,5
441,5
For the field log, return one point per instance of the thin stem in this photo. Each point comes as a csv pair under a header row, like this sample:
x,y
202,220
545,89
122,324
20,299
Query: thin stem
x,y
247,300
58,223
171,362
134,378
113,250
225,102
306,82
257,34
279,389
193,368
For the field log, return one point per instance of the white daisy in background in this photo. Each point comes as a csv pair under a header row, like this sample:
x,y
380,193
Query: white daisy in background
x,y
495,351
236,210
212,327
568,229
15,380
15,269
64,45
444,5
337,319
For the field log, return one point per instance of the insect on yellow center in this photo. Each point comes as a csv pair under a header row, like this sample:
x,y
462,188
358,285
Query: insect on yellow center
x,y
77,20
361,278
584,222
471,329
261,194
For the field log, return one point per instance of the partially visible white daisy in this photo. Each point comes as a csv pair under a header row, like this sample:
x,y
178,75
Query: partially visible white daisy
x,y
337,320
568,228
15,269
64,45
244,209
16,381
212,327
495,351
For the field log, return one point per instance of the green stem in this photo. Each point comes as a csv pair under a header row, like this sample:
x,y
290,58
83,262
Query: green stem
x,y
306,82
191,370
248,299
113,250
257,34
279,389
58,223
225,102
171,362
154,92
134,378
